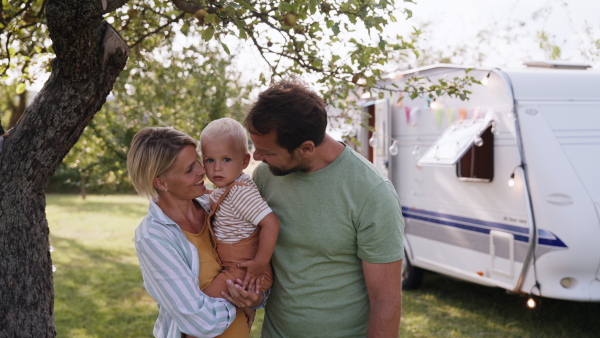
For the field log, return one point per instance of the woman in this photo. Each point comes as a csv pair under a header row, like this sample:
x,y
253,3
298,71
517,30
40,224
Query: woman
x,y
173,243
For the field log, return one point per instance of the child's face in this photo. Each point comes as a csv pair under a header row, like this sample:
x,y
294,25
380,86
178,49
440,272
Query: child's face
x,y
223,160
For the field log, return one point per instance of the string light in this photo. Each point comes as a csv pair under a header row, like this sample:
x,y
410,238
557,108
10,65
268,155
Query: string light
x,y
411,119
486,79
511,180
394,148
436,104
373,141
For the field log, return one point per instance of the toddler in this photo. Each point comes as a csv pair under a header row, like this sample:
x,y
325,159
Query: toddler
x,y
243,226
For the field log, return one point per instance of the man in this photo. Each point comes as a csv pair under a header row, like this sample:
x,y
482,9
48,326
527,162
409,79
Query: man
x,y
338,258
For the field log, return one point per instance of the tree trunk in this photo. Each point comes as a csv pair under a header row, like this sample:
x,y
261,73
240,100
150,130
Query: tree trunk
x,y
89,57
18,110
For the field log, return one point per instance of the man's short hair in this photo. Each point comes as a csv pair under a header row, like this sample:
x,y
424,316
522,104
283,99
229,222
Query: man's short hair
x,y
152,153
226,128
294,111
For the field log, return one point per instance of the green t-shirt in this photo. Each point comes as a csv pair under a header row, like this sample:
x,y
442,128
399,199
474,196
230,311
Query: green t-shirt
x,y
331,220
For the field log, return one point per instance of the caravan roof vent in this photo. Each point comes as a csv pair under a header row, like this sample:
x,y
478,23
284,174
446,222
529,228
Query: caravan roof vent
x,y
557,64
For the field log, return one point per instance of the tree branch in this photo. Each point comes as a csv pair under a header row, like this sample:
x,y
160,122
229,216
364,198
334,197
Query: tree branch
x,y
112,5
157,30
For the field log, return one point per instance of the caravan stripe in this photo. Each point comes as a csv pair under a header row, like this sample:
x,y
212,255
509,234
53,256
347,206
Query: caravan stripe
x,y
471,224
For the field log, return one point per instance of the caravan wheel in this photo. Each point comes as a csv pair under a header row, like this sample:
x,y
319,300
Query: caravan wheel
x,y
411,275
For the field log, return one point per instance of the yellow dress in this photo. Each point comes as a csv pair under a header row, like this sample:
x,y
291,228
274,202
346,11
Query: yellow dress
x,y
209,269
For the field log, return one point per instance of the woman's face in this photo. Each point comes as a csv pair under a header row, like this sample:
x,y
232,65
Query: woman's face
x,y
185,179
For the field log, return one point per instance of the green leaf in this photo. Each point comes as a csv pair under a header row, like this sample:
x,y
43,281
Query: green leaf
x,y
313,6
286,7
246,5
382,43
243,34
226,48
20,88
211,18
208,33
336,29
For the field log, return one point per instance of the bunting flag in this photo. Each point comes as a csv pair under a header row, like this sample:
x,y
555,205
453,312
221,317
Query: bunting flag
x,y
407,112
414,116
449,116
438,117
462,113
476,113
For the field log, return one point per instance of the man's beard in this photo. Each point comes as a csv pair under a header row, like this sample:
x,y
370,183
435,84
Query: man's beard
x,y
281,172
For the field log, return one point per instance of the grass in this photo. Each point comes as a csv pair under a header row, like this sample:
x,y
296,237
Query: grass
x,y
99,292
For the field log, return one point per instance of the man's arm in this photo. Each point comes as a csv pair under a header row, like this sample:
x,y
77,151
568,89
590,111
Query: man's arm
x,y
384,286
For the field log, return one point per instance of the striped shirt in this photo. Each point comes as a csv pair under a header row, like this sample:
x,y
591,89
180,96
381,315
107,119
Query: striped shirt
x,y
240,212
170,268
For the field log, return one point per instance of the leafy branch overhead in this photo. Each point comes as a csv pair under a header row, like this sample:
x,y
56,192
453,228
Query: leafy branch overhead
x,y
342,45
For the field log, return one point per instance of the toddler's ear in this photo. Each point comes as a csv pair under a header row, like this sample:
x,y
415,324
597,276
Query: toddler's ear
x,y
246,160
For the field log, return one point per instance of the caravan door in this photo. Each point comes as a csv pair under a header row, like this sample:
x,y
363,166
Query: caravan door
x,y
375,143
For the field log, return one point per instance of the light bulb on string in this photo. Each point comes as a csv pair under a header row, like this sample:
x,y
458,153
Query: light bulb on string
x,y
373,140
478,141
511,180
531,302
394,148
416,151
486,79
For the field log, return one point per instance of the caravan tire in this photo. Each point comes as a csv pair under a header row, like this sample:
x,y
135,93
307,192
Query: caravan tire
x,y
411,275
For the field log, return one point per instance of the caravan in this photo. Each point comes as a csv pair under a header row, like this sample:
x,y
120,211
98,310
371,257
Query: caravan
x,y
502,189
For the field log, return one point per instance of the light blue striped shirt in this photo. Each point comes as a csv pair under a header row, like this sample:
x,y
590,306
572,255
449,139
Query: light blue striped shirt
x,y
170,268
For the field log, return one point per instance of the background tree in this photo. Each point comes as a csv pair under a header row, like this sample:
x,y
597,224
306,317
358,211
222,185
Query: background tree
x,y
181,91
89,54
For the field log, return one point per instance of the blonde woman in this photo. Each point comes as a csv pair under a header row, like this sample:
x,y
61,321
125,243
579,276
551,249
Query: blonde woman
x,y
173,241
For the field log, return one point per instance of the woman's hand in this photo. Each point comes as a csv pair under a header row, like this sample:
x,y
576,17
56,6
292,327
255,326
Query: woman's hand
x,y
241,297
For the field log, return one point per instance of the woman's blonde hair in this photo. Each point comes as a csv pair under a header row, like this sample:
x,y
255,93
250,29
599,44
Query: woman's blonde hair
x,y
226,128
152,153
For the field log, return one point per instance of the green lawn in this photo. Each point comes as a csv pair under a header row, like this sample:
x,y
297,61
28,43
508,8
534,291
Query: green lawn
x,y
99,292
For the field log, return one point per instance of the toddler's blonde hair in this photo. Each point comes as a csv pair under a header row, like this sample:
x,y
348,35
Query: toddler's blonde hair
x,y
227,128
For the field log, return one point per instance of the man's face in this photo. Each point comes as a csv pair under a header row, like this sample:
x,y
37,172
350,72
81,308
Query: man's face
x,y
280,161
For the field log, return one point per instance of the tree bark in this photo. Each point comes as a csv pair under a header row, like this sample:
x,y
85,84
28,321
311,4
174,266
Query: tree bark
x,y
18,110
89,57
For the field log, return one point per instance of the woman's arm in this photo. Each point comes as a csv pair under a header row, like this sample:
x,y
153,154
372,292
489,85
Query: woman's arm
x,y
172,284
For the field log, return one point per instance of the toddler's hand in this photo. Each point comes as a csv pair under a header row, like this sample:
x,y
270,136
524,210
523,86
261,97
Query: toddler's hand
x,y
255,274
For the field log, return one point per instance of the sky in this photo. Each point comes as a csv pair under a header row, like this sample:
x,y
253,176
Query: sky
x,y
455,22
509,28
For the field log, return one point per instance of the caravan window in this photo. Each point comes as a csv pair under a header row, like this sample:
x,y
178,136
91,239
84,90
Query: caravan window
x,y
468,144
477,164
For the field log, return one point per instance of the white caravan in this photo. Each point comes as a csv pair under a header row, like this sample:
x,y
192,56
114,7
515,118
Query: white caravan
x,y
500,190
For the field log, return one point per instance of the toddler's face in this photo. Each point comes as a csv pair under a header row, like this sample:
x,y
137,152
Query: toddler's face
x,y
223,160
